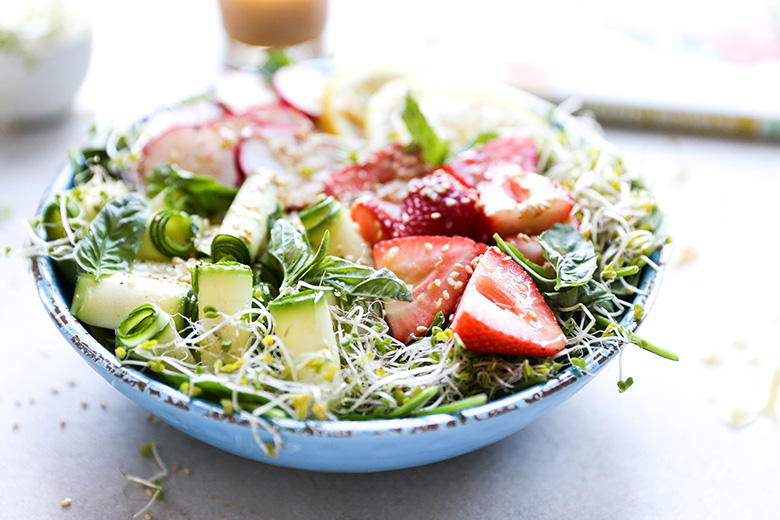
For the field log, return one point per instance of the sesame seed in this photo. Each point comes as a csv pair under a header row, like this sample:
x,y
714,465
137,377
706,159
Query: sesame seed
x,y
439,263
454,275
421,329
446,295
451,282
437,282
428,246
438,303
148,516
445,248
66,502
469,269
187,471
435,215
430,286
458,285
532,314
459,266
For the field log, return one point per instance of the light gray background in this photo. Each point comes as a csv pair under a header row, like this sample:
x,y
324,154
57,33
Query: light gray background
x,y
660,450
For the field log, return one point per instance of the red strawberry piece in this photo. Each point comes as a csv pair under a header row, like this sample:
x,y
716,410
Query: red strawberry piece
x,y
436,269
470,165
502,311
518,201
377,174
439,204
376,219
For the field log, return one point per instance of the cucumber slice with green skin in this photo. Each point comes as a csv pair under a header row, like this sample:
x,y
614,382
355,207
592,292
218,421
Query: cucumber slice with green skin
x,y
345,240
244,231
224,287
149,332
168,233
303,323
106,302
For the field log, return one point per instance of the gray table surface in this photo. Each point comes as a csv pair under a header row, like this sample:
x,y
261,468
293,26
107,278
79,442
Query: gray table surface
x,y
660,450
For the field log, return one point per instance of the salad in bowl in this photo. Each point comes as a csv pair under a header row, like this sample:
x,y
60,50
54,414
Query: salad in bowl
x,y
361,252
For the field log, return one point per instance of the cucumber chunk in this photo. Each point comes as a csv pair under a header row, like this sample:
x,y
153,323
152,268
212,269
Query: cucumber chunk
x,y
303,323
106,302
225,287
345,240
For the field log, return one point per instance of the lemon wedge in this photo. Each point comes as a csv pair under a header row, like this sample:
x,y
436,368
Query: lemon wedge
x,y
346,95
457,114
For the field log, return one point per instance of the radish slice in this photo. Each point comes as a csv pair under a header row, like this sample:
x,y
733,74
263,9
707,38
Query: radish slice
x,y
192,113
281,116
253,153
301,86
239,91
201,149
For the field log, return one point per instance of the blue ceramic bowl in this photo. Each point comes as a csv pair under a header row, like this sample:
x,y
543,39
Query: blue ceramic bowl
x,y
343,446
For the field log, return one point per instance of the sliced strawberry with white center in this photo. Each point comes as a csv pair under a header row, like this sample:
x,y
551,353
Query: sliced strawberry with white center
x,y
470,165
437,270
384,173
502,311
518,201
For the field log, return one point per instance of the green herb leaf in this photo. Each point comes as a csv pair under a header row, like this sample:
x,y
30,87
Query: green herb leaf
x,y
184,191
625,385
571,255
433,149
358,281
114,236
277,58
290,247
482,138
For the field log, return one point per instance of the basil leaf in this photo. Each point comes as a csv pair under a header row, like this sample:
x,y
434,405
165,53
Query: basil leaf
x,y
433,149
571,255
290,247
358,281
541,276
194,194
114,236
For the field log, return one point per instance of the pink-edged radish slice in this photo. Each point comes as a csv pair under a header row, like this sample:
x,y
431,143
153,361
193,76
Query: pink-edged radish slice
x,y
281,116
238,91
301,86
200,149
185,114
253,153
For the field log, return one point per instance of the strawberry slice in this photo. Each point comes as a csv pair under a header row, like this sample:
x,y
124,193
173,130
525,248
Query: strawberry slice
x,y
470,165
502,311
437,270
376,219
384,172
518,201
439,204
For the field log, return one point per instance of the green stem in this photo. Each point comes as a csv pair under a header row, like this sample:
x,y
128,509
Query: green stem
x,y
638,340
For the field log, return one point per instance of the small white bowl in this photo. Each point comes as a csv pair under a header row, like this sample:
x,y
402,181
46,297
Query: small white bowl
x,y
40,83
